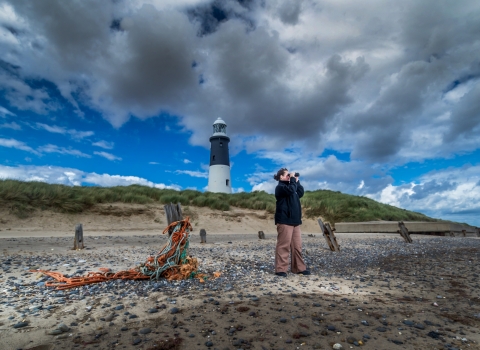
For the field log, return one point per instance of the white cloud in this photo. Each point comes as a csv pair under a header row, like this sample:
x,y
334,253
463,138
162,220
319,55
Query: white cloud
x,y
450,194
153,163
104,144
62,150
268,187
12,143
107,155
186,161
192,173
78,135
75,134
238,189
52,128
12,125
5,112
74,177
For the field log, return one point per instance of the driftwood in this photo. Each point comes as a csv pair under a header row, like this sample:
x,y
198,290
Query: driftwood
x,y
203,236
78,242
464,233
261,235
329,236
404,232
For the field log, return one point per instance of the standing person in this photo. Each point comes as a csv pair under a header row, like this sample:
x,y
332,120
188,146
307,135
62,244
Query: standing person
x,y
288,218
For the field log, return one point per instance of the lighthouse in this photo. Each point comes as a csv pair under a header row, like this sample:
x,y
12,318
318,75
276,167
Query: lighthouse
x,y
219,171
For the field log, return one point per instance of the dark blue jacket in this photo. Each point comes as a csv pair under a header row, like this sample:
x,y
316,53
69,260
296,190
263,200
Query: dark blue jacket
x,y
289,210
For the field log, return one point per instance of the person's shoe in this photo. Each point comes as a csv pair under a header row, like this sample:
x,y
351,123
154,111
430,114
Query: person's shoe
x,y
281,274
305,273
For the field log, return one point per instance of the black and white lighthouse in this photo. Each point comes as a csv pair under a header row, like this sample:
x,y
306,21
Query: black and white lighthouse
x,y
219,171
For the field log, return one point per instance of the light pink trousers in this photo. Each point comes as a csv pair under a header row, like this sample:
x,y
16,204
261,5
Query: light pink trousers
x,y
289,242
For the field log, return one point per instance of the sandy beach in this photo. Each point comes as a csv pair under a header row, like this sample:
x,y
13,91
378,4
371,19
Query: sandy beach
x,y
377,293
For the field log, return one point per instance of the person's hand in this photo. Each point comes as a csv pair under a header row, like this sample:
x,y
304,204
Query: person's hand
x,y
292,176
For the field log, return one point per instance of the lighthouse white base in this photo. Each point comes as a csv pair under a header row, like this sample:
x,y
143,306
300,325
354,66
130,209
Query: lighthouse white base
x,y
219,179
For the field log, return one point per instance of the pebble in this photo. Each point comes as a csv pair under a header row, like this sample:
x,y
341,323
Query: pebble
x,y
381,329
337,346
152,310
144,331
20,325
351,340
174,310
209,343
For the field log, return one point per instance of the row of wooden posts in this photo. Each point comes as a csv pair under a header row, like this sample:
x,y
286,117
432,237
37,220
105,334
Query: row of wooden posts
x,y
174,213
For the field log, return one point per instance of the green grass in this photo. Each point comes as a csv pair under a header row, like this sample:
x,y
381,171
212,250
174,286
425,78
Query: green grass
x,y
22,198
339,207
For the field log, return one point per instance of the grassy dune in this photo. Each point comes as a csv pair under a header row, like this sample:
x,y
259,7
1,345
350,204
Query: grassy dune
x,y
22,198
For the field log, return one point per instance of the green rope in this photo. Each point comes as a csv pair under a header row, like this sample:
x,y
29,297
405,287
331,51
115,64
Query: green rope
x,y
178,258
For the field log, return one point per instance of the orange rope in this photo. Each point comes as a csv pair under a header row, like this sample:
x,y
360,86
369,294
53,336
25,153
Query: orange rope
x,y
176,270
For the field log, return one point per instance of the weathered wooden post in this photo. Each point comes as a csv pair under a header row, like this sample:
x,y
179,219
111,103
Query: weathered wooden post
x,y
329,236
173,212
452,234
464,233
78,243
261,235
404,232
203,236
477,229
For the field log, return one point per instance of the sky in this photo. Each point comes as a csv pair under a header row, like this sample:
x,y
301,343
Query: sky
x,y
373,98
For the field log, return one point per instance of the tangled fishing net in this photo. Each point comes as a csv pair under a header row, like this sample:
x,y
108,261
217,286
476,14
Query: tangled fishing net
x,y
171,262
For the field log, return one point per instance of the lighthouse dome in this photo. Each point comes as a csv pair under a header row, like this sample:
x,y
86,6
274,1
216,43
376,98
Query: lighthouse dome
x,y
219,127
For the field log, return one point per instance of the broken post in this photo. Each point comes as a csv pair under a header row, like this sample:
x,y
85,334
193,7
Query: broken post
x,y
464,233
78,243
173,212
203,236
404,232
261,235
329,236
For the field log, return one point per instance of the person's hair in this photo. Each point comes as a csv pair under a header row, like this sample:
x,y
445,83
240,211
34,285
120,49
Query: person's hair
x,y
279,173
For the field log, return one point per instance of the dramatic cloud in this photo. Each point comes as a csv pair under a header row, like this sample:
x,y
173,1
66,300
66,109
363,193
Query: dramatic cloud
x,y
361,77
